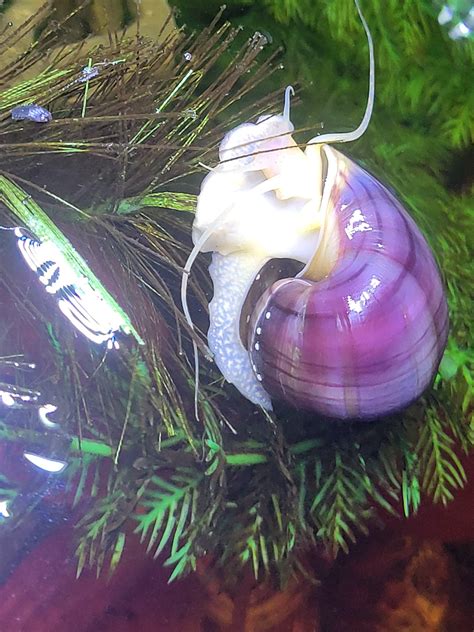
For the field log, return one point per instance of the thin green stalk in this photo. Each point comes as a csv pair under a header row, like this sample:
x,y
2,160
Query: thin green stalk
x,y
86,90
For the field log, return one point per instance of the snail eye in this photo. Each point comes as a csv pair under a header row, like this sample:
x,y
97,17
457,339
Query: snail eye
x,y
77,300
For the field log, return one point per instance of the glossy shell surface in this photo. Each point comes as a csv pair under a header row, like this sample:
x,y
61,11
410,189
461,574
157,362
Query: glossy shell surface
x,y
366,339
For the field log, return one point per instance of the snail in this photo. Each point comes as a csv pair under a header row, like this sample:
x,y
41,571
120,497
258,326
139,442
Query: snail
x,y
31,112
77,300
359,331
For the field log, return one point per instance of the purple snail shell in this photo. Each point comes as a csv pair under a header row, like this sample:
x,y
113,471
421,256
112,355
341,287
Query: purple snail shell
x,y
358,331
366,339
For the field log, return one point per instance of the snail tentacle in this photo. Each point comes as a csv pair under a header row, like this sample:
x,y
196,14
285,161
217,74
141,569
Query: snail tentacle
x,y
184,302
289,92
346,137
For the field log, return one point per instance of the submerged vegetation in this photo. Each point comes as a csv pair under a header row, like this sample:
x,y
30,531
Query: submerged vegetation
x,y
114,177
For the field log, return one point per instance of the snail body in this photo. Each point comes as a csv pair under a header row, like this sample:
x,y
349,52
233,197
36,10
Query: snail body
x,y
360,330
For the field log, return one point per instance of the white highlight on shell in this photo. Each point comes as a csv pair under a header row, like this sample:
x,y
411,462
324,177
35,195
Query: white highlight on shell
x,y
4,509
358,305
356,224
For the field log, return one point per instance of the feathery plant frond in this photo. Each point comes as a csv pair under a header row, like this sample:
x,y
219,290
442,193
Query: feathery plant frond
x,y
101,533
442,469
340,505
167,508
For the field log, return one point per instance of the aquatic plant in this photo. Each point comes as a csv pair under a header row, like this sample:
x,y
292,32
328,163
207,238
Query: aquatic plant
x,y
111,182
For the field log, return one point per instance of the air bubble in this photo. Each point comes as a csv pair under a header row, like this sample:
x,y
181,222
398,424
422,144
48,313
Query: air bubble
x,y
190,114
258,39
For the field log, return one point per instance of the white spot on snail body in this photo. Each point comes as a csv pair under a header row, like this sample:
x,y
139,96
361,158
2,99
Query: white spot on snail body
x,y
445,15
459,31
232,276
267,315
257,346
259,331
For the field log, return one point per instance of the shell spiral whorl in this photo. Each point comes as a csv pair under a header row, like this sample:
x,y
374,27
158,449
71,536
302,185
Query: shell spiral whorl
x,y
366,339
